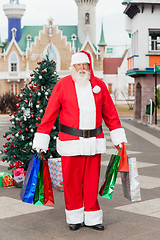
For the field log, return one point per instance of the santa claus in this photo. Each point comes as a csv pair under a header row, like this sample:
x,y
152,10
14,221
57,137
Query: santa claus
x,y
82,102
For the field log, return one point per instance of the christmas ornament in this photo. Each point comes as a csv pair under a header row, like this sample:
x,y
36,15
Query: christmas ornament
x,y
37,106
22,89
26,101
31,74
17,96
39,118
16,134
31,86
40,77
15,156
5,150
17,105
46,93
35,84
38,102
30,95
8,138
25,148
4,135
32,130
26,129
41,111
30,144
38,62
32,116
23,108
39,93
43,71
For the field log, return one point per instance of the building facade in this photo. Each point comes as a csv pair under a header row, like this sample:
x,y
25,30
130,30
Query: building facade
x,y
143,25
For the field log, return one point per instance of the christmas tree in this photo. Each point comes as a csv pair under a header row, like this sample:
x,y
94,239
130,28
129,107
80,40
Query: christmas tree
x,y
33,100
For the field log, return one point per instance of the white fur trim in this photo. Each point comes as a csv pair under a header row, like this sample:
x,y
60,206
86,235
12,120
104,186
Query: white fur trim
x,y
79,58
118,136
41,141
93,218
86,103
96,89
84,146
74,216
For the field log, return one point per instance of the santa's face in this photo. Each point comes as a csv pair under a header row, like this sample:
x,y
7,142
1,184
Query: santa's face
x,y
81,68
80,73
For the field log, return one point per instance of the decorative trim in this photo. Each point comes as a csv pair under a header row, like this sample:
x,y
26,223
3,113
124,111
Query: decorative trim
x,y
118,136
41,141
93,217
83,146
74,216
133,56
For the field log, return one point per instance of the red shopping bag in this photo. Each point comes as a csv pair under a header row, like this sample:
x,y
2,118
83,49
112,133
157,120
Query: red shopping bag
x,y
123,166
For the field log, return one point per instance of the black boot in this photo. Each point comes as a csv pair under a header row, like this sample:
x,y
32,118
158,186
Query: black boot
x,y
98,227
74,227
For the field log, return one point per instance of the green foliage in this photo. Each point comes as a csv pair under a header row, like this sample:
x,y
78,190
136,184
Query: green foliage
x,y
8,103
33,100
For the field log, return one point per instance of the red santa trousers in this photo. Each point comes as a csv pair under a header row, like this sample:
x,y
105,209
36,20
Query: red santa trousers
x,y
81,180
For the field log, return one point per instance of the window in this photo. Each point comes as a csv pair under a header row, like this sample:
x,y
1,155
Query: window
x,y
13,62
13,67
154,40
87,18
110,88
14,88
134,40
131,90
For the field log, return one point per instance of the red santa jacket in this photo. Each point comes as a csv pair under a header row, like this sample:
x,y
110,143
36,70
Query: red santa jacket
x,y
82,107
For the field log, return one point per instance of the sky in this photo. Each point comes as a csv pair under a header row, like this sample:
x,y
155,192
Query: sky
x,y
65,12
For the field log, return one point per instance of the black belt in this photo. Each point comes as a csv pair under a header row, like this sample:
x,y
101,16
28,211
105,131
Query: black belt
x,y
86,133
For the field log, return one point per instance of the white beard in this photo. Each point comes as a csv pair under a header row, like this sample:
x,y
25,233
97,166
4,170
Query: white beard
x,y
79,78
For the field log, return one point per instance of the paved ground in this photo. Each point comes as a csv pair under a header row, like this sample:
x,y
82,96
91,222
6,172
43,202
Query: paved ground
x,y
122,219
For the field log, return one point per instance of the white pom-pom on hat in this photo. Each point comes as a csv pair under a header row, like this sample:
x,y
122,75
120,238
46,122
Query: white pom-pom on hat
x,y
79,57
96,89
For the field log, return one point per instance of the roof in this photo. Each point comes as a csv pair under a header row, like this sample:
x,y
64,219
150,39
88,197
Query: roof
x,y
141,1
102,41
68,31
33,31
111,65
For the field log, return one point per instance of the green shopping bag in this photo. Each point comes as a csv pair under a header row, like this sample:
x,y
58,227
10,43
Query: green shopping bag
x,y
39,193
107,187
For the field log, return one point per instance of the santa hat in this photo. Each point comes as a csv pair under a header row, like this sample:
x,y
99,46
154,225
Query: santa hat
x,y
79,57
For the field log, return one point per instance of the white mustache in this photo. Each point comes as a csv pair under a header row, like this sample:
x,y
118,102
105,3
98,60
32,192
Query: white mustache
x,y
82,71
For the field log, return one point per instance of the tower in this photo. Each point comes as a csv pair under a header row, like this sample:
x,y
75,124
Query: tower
x,y
102,44
14,12
86,20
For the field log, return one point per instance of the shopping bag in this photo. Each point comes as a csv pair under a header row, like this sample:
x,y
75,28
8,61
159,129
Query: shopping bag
x,y
28,190
39,192
107,188
130,182
123,166
48,191
44,192
55,168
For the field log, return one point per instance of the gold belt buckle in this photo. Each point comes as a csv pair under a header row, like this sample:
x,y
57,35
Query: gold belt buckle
x,y
86,133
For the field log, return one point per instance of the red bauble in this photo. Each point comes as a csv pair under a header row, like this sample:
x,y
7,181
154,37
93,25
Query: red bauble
x,y
32,116
17,96
47,99
31,74
53,61
26,101
22,89
12,134
38,62
14,146
8,138
48,149
5,150
4,135
38,118
19,131
43,60
35,84
31,86
21,111
25,148
43,71
38,102
26,129
17,105
5,145
15,156
10,120
3,160
30,95
10,114
37,124
20,100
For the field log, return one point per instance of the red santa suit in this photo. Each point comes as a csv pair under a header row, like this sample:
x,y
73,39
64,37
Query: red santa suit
x,y
81,107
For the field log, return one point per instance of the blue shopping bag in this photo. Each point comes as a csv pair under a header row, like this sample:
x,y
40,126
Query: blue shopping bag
x,y
28,190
